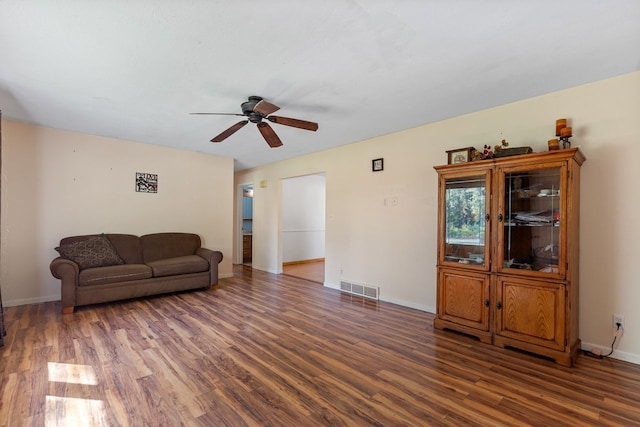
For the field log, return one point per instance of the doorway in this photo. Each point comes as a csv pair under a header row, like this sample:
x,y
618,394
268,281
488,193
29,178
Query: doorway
x,y
247,224
303,227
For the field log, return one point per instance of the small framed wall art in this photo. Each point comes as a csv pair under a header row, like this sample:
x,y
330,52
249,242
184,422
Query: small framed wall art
x,y
146,182
377,165
460,155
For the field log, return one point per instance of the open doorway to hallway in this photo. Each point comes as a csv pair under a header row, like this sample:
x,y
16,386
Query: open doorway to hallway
x,y
247,224
312,271
303,226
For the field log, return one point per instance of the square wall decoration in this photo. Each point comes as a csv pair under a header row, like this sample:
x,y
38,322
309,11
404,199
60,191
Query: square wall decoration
x,y
146,182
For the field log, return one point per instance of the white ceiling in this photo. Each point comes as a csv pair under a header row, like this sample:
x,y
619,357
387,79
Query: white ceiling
x,y
360,68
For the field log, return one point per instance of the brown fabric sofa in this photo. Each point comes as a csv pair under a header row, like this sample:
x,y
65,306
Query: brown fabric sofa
x,y
110,267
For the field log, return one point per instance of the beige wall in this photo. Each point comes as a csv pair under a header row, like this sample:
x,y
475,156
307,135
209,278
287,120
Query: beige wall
x,y
394,246
57,183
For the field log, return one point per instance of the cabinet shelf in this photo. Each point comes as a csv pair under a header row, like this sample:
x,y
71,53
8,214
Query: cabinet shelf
x,y
531,224
538,197
534,265
465,261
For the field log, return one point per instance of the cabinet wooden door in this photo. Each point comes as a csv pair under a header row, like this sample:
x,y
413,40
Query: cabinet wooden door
x,y
531,312
464,302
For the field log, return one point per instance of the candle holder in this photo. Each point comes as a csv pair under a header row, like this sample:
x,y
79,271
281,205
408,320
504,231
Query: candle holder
x,y
564,141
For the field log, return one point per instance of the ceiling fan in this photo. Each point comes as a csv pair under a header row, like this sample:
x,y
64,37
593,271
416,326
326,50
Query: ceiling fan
x,y
256,109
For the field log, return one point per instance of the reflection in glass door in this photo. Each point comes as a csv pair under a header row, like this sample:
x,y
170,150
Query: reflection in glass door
x,y
465,220
532,226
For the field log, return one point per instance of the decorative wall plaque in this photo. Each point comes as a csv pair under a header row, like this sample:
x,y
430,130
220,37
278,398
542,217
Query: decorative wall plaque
x,y
146,182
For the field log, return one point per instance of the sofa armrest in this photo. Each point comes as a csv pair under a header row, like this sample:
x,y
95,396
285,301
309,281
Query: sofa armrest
x,y
67,271
214,258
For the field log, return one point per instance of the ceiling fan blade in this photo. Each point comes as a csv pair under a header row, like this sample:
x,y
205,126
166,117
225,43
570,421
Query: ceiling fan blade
x,y
269,135
296,123
265,108
218,114
227,133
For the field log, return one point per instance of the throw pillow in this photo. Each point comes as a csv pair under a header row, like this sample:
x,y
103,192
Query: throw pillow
x,y
95,251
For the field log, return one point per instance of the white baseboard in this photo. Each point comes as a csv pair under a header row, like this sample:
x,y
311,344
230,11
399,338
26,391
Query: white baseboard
x,y
225,276
27,301
331,286
403,303
268,270
409,304
617,354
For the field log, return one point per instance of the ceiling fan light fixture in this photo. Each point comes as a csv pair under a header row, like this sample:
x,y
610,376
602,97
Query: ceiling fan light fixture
x,y
254,117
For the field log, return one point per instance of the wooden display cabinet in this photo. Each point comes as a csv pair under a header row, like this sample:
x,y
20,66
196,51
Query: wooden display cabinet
x,y
508,251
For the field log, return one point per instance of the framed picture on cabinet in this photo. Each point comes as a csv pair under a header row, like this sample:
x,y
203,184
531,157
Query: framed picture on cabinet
x,y
460,155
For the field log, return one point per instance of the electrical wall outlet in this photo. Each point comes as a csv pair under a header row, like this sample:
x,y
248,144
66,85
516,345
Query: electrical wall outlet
x,y
618,318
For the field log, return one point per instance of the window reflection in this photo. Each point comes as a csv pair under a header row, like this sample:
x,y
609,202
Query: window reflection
x,y
465,220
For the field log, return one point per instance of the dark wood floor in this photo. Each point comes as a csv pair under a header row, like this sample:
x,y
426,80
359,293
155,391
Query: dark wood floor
x,y
268,349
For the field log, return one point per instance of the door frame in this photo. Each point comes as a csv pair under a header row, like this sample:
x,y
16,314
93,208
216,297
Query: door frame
x,y
238,258
281,207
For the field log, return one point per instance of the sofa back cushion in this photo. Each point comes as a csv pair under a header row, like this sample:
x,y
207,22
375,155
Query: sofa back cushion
x,y
128,247
168,245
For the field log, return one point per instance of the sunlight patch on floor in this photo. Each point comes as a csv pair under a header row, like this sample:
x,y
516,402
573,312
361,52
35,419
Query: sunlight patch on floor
x,y
72,411
70,373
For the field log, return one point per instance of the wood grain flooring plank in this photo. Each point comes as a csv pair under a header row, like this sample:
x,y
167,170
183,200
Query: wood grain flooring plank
x,y
220,413
295,389
10,407
409,408
350,403
437,400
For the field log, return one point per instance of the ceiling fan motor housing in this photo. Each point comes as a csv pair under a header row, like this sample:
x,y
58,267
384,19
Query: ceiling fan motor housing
x,y
248,107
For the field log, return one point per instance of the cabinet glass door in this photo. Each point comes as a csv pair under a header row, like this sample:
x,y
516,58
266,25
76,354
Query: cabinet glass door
x,y
465,227
532,218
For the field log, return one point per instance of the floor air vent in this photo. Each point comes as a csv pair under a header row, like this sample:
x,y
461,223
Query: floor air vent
x,y
372,292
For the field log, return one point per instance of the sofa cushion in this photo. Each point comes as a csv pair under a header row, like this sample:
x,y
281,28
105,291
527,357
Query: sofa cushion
x,y
95,251
178,265
159,246
114,274
128,247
